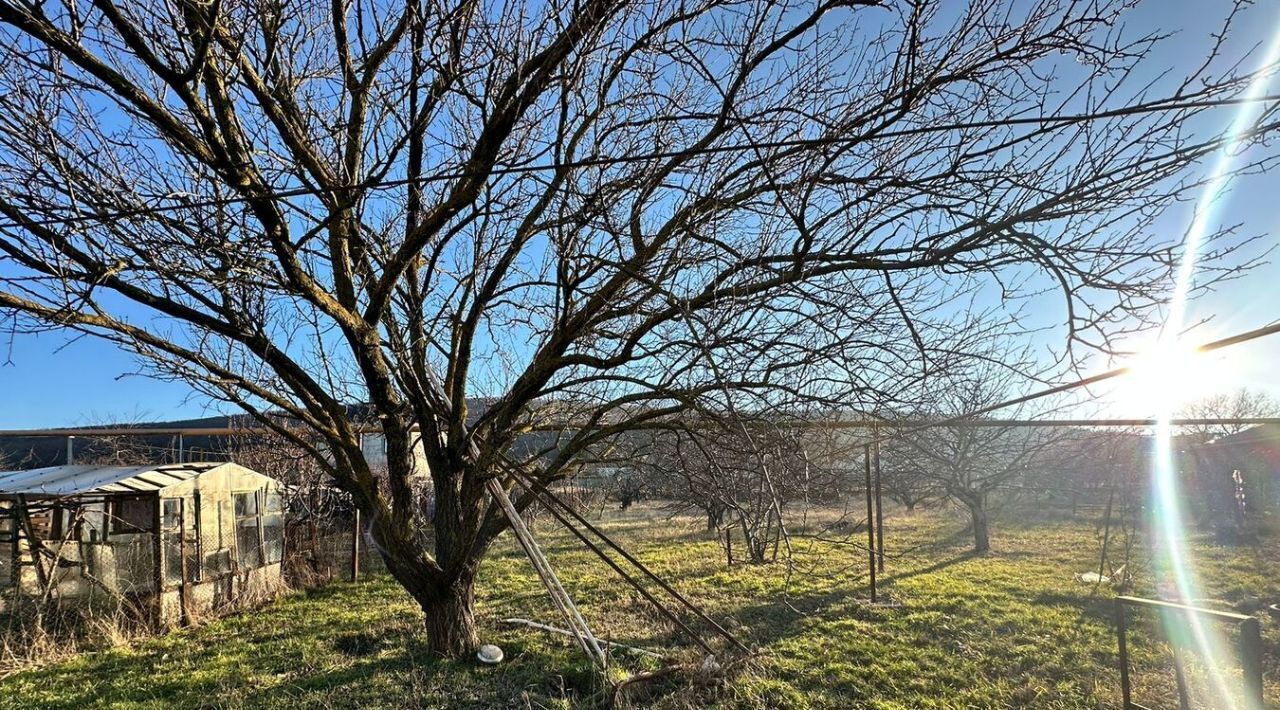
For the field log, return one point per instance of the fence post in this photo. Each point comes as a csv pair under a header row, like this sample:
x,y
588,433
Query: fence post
x,y
871,523
1251,659
355,547
879,510
1122,628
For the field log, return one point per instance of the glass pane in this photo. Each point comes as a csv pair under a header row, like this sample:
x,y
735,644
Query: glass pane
x,y
172,559
246,504
133,514
273,537
247,543
170,511
217,563
275,503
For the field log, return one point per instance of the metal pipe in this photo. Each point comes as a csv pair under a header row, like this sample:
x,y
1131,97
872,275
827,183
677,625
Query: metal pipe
x,y
355,547
802,424
879,512
871,524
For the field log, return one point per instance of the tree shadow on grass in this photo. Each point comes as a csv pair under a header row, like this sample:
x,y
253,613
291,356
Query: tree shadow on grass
x,y
892,578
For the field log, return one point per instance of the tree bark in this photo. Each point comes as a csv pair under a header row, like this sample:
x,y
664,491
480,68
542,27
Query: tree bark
x,y
981,527
451,622
715,516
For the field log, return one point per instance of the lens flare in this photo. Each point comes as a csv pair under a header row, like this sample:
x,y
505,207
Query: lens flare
x,y
1163,377
1175,576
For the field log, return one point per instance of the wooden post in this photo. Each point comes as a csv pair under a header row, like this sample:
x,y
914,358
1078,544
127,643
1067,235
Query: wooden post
x,y
879,511
1180,675
157,557
355,547
871,523
183,591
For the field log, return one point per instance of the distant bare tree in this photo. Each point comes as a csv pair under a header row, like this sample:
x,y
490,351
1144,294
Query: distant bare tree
x,y
744,475
902,481
598,213
1242,403
969,464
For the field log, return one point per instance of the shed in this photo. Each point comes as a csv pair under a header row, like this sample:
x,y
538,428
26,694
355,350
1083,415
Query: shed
x,y
175,540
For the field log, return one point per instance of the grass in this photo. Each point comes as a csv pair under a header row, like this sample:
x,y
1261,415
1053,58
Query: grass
x,y
1011,629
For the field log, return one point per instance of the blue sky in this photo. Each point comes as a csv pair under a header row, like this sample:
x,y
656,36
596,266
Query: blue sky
x,y
53,380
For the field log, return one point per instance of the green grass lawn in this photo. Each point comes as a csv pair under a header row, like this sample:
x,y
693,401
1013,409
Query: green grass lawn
x,y
1012,629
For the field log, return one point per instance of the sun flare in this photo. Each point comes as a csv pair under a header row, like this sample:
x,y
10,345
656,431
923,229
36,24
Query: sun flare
x,y
1165,377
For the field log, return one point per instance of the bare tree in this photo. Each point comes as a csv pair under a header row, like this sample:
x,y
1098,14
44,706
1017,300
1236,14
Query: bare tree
x,y
744,475
902,480
969,464
1243,403
596,213
1226,478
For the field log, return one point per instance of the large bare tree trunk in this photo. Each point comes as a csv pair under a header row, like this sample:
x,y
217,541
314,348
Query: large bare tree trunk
x,y
450,619
448,602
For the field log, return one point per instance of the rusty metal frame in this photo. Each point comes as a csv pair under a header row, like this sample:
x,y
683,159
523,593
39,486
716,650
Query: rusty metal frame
x,y
1250,647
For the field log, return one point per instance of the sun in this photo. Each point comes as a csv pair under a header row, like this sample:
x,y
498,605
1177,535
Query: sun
x,y
1166,376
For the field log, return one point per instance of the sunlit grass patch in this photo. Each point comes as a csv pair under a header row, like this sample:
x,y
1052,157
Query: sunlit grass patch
x,y
1013,628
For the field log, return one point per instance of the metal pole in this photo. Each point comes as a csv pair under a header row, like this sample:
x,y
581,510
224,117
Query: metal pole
x,y
71,452
1251,659
1121,630
879,510
355,547
180,447
871,523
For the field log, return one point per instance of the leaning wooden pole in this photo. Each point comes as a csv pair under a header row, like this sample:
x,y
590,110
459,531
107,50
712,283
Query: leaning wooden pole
x,y
639,565
558,595
623,573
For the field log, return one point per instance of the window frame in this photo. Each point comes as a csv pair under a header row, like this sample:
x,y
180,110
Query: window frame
x,y
116,523
256,517
188,505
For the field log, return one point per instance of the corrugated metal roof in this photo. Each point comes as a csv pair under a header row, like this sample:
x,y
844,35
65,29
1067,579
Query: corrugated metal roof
x,y
79,480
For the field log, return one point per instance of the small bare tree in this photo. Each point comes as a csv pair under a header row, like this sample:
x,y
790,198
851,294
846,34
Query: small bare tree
x,y
595,213
744,475
970,461
1229,481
